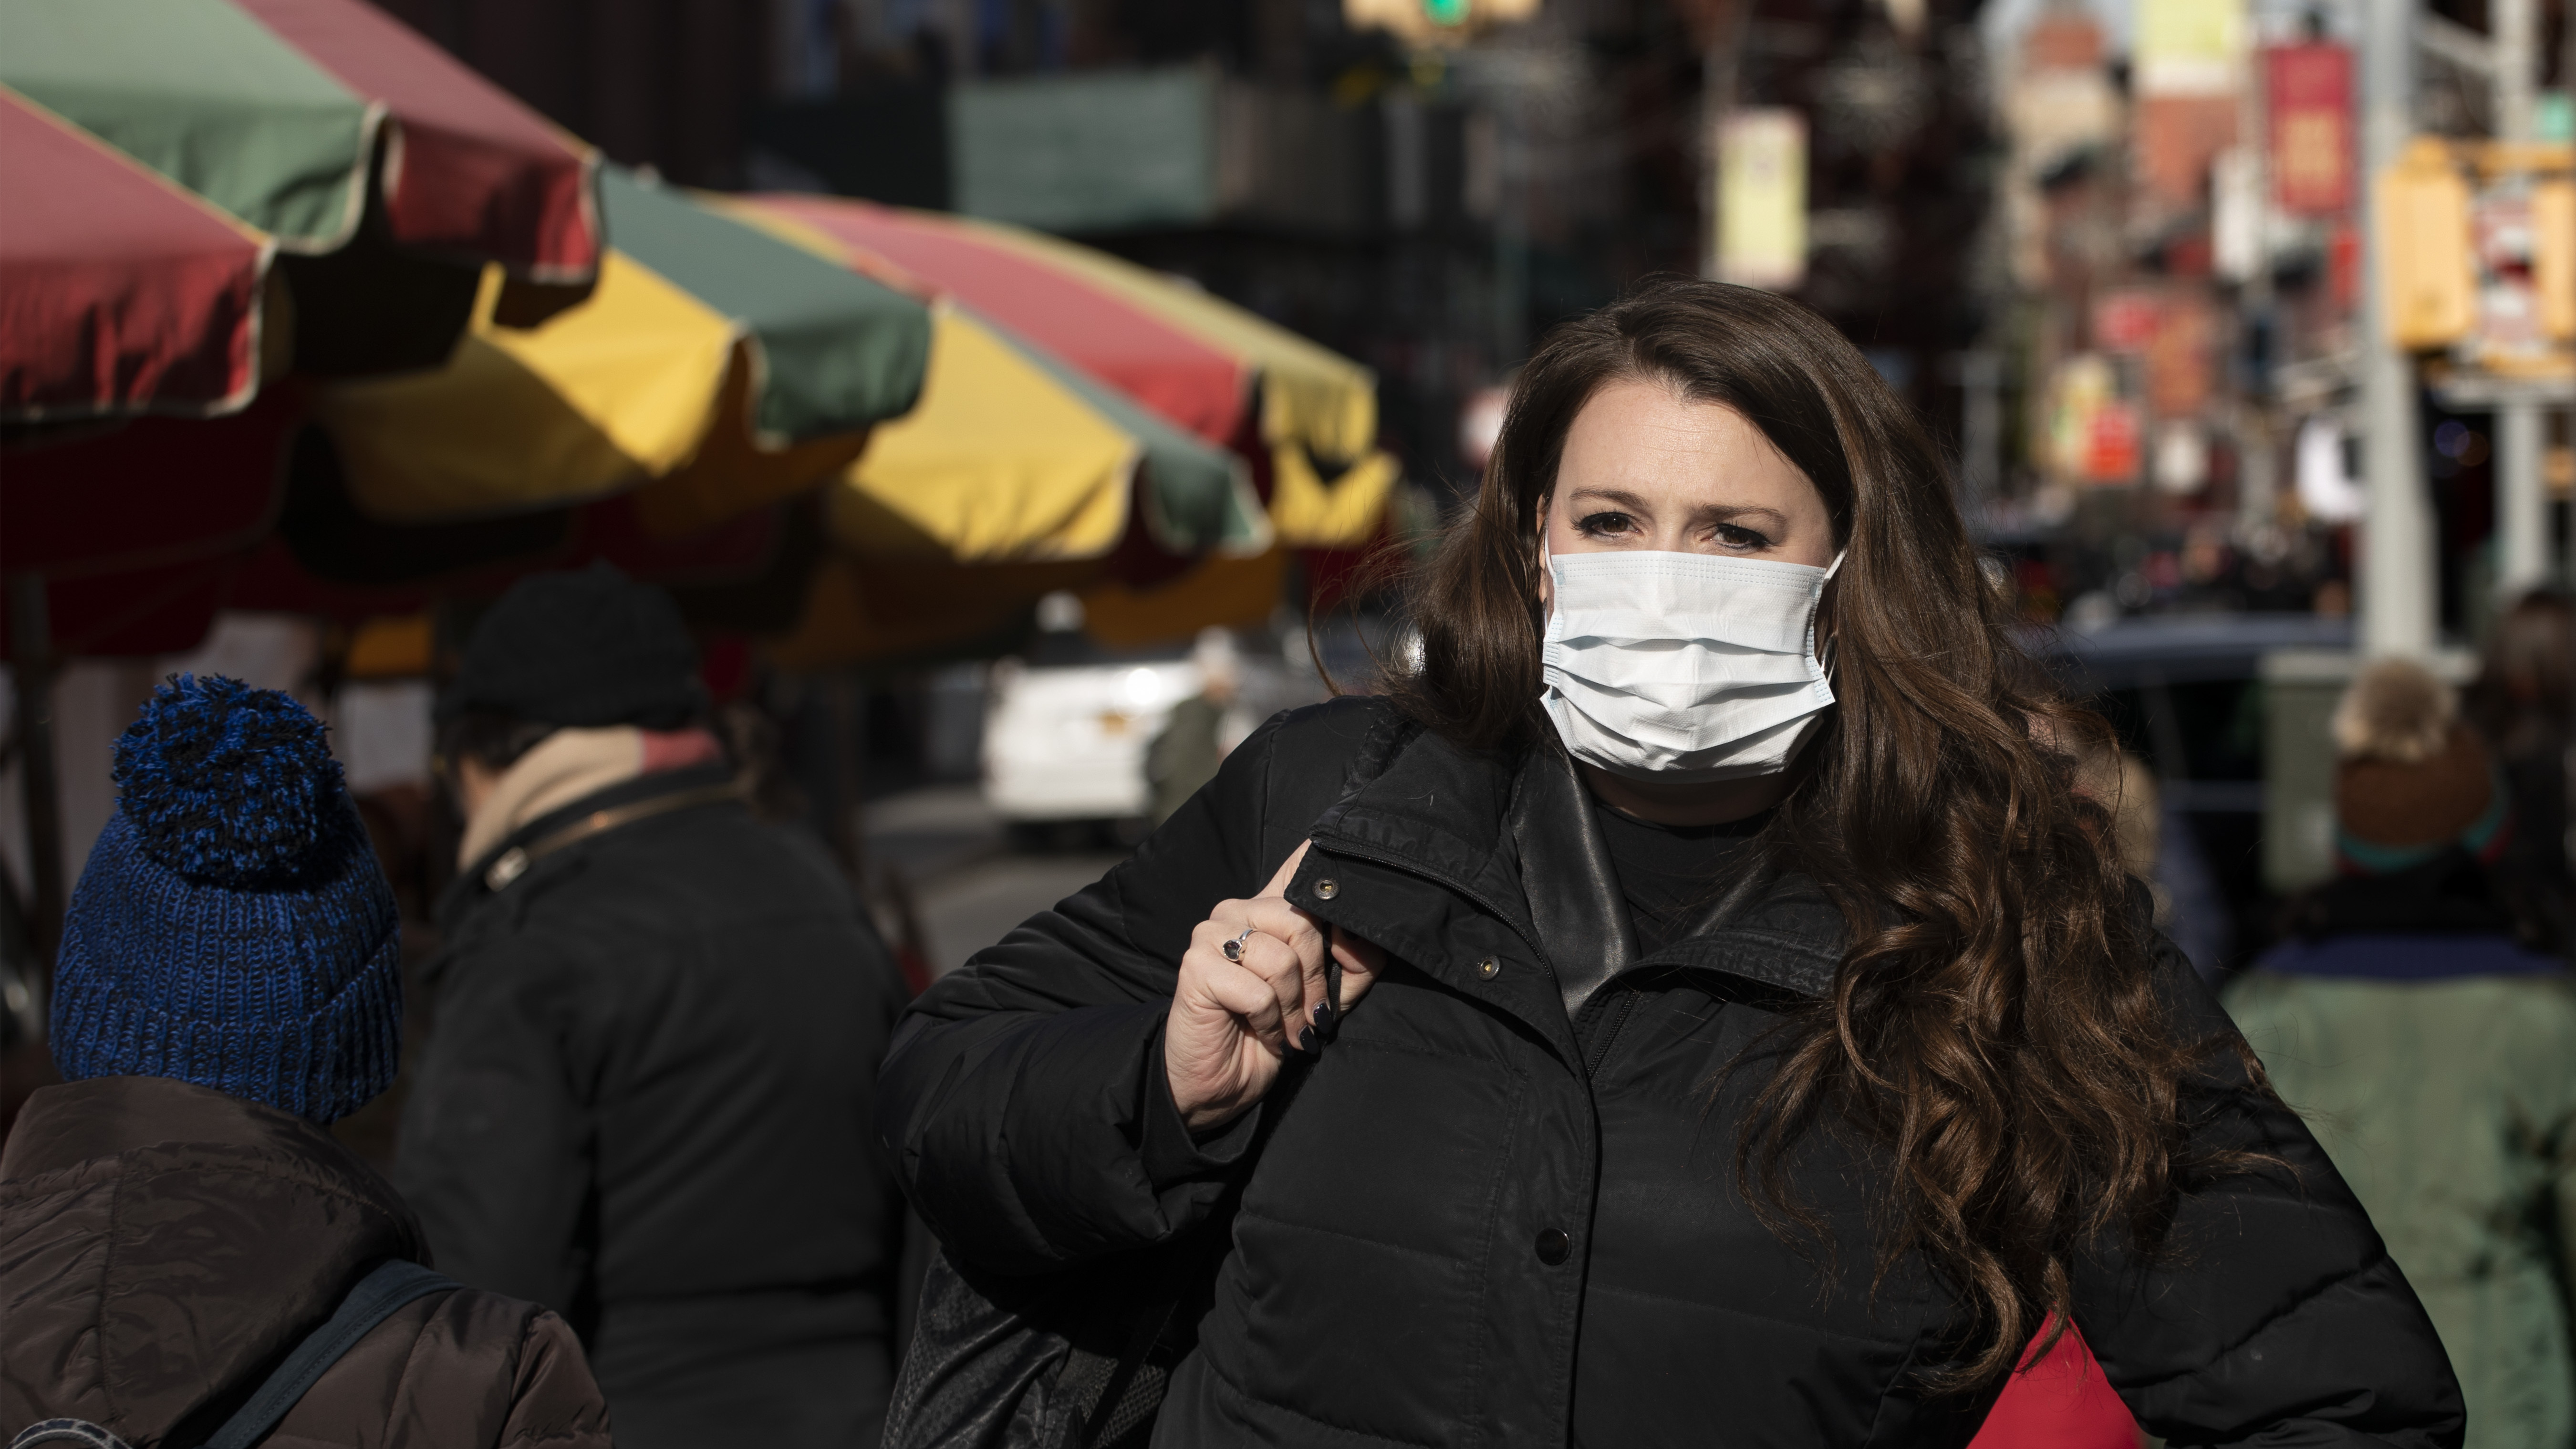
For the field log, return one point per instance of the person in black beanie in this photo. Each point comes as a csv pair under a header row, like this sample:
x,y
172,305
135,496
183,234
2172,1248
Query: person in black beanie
x,y
657,1023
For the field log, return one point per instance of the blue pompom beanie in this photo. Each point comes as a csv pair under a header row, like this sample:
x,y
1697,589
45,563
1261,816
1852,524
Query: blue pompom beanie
x,y
232,928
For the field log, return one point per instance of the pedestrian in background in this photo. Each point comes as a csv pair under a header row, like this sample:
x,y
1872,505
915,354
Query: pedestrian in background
x,y
1184,756
1693,1007
2522,702
177,1218
645,1094
2430,1037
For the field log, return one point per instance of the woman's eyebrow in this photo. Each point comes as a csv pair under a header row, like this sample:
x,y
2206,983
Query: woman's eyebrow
x,y
1736,512
1615,497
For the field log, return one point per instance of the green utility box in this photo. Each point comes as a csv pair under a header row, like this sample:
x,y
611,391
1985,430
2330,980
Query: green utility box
x,y
2300,690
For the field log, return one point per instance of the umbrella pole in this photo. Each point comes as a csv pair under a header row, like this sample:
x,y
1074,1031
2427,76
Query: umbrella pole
x,y
31,651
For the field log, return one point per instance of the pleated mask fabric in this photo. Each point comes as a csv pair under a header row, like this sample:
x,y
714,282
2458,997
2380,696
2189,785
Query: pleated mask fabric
x,y
1684,668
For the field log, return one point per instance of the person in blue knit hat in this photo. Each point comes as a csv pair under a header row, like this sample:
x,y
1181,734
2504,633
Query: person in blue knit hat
x,y
230,983
232,928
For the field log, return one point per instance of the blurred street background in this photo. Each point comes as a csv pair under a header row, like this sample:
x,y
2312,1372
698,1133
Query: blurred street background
x,y
1004,386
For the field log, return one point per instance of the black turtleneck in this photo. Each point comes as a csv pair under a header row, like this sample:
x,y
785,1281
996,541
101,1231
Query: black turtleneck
x,y
1669,874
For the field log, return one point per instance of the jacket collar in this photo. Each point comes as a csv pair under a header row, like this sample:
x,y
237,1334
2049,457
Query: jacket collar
x,y
1516,835
1567,878
471,886
64,1126
2409,956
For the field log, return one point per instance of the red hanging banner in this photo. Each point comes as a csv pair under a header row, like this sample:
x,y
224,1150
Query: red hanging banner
x,y
2309,89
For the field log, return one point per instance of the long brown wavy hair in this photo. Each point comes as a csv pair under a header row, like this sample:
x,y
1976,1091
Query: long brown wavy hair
x,y
1994,1031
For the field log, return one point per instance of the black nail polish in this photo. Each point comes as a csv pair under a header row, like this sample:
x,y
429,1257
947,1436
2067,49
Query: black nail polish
x,y
1306,1040
1323,1013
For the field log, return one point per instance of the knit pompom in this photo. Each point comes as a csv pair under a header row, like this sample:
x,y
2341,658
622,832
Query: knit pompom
x,y
228,785
2398,711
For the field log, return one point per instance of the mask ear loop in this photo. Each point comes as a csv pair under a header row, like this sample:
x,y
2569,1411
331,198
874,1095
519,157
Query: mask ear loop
x,y
1546,602
1825,657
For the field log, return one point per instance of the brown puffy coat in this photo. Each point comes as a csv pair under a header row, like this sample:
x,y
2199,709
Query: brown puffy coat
x,y
162,1246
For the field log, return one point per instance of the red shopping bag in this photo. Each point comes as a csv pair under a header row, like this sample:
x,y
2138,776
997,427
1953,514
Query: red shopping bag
x,y
2060,1401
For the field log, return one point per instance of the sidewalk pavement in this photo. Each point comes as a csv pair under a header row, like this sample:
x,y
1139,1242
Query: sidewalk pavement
x,y
931,832
968,886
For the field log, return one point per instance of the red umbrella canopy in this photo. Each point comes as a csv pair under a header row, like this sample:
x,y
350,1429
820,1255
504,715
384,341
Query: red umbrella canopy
x,y
471,170
387,172
1189,381
117,288
1305,416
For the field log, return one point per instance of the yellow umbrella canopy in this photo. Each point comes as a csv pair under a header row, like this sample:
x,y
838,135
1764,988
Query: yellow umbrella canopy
x,y
712,366
1202,364
1011,456
1013,477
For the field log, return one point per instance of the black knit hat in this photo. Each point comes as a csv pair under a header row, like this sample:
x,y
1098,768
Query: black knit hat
x,y
583,650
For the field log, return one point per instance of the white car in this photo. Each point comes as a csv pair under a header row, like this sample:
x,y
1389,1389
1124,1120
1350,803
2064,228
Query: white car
x,y
1065,730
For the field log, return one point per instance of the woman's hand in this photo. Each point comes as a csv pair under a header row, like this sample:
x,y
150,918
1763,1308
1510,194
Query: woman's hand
x,y
1233,1022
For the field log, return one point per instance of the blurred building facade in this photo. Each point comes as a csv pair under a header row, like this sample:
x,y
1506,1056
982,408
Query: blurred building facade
x,y
1426,185
2183,225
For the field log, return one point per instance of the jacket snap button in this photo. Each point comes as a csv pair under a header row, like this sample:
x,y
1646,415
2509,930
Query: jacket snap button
x,y
1553,1246
1325,890
1489,968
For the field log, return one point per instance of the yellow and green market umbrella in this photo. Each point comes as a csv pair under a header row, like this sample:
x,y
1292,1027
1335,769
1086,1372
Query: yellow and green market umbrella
x,y
713,367
1014,476
1305,416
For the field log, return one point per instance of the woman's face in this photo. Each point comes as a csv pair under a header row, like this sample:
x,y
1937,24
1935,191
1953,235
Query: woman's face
x,y
1646,468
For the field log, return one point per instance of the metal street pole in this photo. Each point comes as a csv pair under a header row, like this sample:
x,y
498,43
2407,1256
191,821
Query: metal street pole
x,y
2399,614
2522,504
31,648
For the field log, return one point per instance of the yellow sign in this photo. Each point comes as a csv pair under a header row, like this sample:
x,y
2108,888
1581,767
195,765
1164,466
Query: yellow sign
x,y
2553,261
1762,199
2426,272
2190,47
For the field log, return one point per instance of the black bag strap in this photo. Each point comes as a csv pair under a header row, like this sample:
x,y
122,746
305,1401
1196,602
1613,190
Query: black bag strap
x,y
1130,1393
372,1301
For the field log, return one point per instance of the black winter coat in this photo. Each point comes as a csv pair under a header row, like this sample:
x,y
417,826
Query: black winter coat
x,y
1500,1208
644,1102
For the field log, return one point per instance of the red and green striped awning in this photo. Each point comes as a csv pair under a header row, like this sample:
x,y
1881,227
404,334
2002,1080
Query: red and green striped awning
x,y
133,131
1306,416
115,285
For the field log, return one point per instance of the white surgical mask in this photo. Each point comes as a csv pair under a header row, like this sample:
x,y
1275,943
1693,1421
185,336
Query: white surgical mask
x,y
1684,667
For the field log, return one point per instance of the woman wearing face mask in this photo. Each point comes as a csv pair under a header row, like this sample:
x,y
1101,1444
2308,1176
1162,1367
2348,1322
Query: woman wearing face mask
x,y
1692,1006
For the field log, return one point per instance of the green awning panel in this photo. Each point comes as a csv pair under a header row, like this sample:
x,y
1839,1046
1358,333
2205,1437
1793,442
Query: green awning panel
x,y
842,350
202,93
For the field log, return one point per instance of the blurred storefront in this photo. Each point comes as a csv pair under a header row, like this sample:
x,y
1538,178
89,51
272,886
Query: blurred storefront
x,y
2185,225
2282,321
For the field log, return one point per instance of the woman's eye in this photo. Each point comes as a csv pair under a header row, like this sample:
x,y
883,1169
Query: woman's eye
x,y
1603,525
1733,536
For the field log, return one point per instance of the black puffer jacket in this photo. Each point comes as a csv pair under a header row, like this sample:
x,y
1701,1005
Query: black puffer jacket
x,y
1480,1218
644,1102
